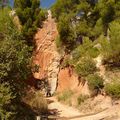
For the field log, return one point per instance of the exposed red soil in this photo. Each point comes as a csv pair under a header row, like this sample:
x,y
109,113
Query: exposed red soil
x,y
68,79
44,40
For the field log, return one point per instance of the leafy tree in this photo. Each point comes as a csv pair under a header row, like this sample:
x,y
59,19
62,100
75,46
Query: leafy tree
x,y
91,17
31,17
85,67
14,63
86,49
6,98
75,18
107,12
13,51
111,47
64,7
66,32
95,83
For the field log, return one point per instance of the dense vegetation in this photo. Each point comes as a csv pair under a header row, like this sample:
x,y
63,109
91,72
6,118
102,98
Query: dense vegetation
x,y
88,29
15,57
89,18
31,16
113,89
14,64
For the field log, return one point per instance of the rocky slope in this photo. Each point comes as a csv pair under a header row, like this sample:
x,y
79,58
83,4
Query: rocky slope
x,y
46,55
48,60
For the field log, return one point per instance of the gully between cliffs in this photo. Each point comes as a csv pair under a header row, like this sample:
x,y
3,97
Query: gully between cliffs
x,y
46,58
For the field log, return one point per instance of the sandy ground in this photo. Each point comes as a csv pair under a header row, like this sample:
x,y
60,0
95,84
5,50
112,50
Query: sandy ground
x,y
70,113
63,110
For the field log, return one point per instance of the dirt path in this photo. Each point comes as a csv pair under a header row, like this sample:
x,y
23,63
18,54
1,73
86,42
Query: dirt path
x,y
65,112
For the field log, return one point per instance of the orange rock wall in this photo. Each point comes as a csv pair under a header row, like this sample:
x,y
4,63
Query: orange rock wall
x,y
48,60
67,79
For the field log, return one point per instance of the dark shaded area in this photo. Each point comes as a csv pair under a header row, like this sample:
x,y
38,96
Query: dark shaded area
x,y
23,112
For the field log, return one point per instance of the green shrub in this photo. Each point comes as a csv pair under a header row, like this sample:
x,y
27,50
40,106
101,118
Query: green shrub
x,y
85,67
66,32
111,48
78,52
6,97
82,98
85,49
113,89
110,57
95,82
93,52
65,95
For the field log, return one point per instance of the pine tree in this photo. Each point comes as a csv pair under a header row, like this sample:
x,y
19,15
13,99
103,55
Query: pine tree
x,y
29,13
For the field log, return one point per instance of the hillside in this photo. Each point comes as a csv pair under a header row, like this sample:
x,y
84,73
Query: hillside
x,y
60,63
99,107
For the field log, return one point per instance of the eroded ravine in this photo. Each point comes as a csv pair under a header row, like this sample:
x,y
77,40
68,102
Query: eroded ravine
x,y
46,55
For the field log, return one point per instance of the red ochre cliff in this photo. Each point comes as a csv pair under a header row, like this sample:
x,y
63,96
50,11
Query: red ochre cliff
x,y
48,59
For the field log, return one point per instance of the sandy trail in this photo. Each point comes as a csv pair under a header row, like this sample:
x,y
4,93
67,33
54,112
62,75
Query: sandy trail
x,y
65,112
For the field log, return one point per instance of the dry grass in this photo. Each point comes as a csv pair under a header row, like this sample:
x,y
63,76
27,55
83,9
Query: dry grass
x,y
37,102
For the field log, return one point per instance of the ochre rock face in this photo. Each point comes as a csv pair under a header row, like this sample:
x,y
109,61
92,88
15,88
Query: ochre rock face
x,y
46,56
45,47
48,59
43,61
68,80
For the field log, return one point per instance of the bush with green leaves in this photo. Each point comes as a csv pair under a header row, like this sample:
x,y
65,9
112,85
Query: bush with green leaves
x,y
78,52
95,82
113,89
65,95
8,30
93,52
87,48
6,97
15,57
82,98
85,67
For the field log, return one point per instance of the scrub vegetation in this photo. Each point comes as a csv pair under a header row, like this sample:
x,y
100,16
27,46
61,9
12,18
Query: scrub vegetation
x,y
88,29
